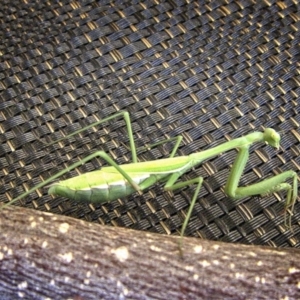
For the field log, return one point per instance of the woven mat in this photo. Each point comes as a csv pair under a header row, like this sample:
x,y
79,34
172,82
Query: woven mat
x,y
209,71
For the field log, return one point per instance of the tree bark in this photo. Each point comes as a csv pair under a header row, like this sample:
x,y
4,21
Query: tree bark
x,y
51,256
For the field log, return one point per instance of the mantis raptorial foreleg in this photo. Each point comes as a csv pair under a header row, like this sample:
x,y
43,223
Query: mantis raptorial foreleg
x,y
270,185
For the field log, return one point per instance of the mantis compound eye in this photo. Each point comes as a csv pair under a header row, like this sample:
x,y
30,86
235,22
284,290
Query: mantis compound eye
x,y
272,137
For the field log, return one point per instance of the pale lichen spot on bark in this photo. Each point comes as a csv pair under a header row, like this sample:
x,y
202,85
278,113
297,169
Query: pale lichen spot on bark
x,y
253,254
259,263
195,276
41,219
293,270
67,279
232,265
189,268
260,279
163,258
25,241
1,255
124,291
216,262
216,247
52,282
283,253
198,249
67,257
23,285
33,224
119,283
205,263
21,294
155,248
64,227
239,275
88,275
45,244
121,253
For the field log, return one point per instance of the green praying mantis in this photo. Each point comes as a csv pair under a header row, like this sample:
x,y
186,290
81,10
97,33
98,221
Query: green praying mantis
x,y
117,181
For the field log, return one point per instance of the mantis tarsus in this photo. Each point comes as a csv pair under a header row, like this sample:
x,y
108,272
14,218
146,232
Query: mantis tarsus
x,y
116,181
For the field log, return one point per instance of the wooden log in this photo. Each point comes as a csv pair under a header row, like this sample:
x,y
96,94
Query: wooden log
x,y
56,257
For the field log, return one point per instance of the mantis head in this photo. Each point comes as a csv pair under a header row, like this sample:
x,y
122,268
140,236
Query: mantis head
x,y
272,137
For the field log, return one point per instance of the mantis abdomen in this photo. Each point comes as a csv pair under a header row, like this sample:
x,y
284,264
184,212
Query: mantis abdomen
x,y
98,186
109,184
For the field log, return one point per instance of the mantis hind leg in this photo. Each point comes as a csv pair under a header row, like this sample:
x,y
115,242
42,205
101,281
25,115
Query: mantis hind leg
x,y
269,185
101,154
126,117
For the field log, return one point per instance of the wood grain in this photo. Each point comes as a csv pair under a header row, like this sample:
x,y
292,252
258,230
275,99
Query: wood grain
x,y
51,256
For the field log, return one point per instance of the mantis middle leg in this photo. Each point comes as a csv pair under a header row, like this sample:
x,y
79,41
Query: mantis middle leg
x,y
171,186
178,140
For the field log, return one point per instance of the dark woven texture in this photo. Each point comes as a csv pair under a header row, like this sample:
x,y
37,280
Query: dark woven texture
x,y
209,71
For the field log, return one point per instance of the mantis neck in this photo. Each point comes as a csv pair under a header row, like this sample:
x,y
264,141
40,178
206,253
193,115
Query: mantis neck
x,y
244,141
